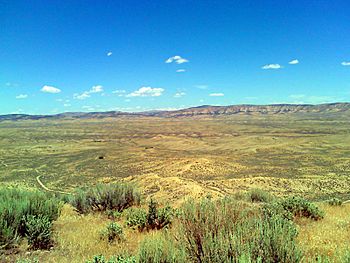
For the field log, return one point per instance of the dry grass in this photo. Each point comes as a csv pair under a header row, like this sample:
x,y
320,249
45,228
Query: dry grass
x,y
328,237
77,239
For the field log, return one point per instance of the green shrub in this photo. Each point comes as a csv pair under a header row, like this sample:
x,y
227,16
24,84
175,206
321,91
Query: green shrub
x,y
105,197
300,207
112,214
153,219
35,260
38,231
258,195
335,202
136,217
160,249
113,232
165,216
228,231
118,259
17,206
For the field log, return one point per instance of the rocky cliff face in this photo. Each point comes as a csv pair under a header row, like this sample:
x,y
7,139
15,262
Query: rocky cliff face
x,y
257,109
196,111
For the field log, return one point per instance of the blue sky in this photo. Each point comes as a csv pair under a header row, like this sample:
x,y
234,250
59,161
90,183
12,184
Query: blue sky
x,y
58,56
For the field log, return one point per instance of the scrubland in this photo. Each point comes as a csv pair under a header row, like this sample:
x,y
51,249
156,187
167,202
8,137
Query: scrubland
x,y
223,189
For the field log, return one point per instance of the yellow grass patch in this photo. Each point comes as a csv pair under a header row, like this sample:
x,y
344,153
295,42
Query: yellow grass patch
x,y
327,237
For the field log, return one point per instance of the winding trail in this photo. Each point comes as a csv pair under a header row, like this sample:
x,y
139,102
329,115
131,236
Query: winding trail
x,y
48,189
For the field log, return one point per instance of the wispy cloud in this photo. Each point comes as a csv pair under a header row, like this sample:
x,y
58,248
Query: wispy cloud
x,y
82,96
88,108
216,94
146,92
201,86
120,93
179,94
22,96
12,85
180,70
297,96
293,62
305,99
346,63
109,53
50,89
177,59
272,66
87,94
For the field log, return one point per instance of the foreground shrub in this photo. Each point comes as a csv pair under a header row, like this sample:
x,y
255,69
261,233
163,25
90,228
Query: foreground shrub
x,y
113,232
118,259
335,202
112,214
258,195
300,207
227,231
35,260
153,219
136,217
161,248
38,231
17,208
105,197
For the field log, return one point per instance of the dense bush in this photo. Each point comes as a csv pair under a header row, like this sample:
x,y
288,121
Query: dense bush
x,y
153,219
105,197
38,231
17,208
136,217
258,195
113,232
300,207
227,231
335,201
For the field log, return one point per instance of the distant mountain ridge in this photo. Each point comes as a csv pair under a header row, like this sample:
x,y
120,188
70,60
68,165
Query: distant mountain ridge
x,y
204,110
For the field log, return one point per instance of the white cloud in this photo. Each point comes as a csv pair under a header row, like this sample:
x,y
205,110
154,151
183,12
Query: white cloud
x,y
22,96
146,92
272,66
346,63
177,60
66,105
293,62
109,53
216,94
86,94
96,89
50,89
180,70
179,94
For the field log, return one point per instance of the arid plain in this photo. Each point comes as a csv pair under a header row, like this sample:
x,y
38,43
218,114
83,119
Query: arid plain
x,y
173,158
